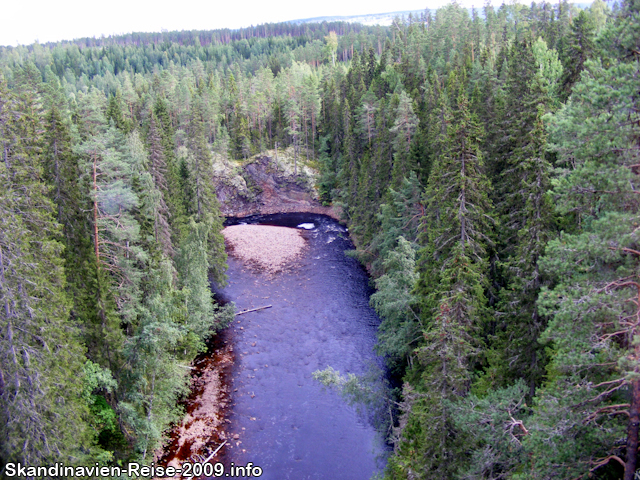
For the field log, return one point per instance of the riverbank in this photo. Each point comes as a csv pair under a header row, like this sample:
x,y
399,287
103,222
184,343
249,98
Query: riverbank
x,y
207,408
270,250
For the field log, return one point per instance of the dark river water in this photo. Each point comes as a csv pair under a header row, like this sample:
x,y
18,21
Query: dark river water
x,y
282,419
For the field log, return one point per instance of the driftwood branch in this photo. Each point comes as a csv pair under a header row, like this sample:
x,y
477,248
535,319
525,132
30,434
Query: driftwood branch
x,y
253,310
211,456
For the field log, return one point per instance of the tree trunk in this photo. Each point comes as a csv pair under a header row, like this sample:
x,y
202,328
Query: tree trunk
x,y
634,414
95,213
632,435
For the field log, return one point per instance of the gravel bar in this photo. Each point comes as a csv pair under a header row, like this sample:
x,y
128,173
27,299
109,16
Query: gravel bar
x,y
267,247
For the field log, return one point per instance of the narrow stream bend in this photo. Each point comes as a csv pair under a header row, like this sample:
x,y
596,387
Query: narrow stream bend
x,y
283,420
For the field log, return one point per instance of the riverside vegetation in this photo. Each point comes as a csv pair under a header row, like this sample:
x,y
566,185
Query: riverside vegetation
x,y
486,164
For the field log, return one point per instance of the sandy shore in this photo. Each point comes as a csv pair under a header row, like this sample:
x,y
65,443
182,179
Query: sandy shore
x,y
267,247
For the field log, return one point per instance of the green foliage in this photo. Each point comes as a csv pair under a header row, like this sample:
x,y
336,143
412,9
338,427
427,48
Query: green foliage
x,y
41,403
399,217
493,428
577,50
203,317
394,302
350,386
592,304
404,129
452,279
369,393
155,376
512,326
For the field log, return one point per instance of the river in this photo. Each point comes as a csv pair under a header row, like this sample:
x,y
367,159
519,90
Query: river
x,y
283,420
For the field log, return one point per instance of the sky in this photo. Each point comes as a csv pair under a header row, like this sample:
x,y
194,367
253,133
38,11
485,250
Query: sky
x,y
24,22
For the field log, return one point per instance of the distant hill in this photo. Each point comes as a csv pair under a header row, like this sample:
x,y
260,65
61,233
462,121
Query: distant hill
x,y
387,18
366,19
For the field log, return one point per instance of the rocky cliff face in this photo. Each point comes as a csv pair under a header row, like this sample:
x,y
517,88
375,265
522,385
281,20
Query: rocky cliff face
x,y
264,185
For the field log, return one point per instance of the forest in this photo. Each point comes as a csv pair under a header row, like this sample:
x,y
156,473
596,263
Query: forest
x,y
486,162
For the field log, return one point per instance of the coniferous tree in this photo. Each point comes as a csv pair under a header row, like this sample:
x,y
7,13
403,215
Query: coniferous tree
x,y
157,168
175,198
593,330
453,277
41,407
404,129
577,50
399,217
527,218
205,203
394,301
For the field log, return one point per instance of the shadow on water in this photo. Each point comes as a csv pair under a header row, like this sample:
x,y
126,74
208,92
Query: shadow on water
x,y
281,419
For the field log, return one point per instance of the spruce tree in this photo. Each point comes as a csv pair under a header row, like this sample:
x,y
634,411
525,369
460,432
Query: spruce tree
x,y
205,206
526,214
157,167
41,408
404,128
453,276
577,50
176,203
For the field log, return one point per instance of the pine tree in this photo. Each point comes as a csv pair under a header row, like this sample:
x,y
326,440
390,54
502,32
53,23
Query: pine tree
x,y
595,368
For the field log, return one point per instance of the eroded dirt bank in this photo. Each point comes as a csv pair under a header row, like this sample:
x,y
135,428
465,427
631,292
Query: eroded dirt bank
x,y
268,185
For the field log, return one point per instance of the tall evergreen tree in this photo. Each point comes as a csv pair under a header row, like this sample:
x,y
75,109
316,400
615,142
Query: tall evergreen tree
x,y
404,129
41,408
157,167
577,50
594,384
526,214
175,198
206,208
450,289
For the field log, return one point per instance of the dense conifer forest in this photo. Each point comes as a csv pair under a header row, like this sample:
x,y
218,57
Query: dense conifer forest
x,y
486,162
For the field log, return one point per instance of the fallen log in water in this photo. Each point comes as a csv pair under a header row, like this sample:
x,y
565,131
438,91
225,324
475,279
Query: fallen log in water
x,y
253,310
